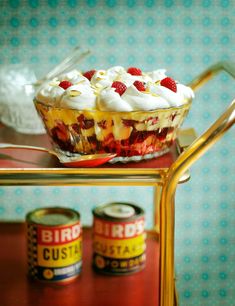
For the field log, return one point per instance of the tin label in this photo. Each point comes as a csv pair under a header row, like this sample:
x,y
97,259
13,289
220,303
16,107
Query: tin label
x,y
55,253
58,235
118,230
57,256
119,247
124,248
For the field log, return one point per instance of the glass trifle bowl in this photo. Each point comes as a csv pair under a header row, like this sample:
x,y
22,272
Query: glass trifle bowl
x,y
133,114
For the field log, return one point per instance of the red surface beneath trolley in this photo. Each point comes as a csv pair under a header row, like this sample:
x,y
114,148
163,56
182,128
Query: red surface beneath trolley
x,y
89,289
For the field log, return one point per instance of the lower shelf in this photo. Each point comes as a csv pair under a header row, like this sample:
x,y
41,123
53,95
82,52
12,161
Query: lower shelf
x,y
89,289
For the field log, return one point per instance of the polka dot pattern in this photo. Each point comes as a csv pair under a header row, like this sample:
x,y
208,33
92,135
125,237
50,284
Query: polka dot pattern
x,y
84,199
184,37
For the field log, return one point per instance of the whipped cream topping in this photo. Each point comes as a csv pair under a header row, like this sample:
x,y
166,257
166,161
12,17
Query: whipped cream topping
x,y
157,75
80,96
74,77
101,79
50,93
110,100
98,93
131,100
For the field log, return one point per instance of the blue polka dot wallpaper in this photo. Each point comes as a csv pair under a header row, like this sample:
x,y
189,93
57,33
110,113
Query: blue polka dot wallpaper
x,y
184,37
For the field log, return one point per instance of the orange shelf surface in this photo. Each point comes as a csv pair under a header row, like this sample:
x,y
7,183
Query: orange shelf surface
x,y
89,289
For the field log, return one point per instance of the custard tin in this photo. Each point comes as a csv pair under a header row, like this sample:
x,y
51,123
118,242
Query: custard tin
x,y
54,244
119,238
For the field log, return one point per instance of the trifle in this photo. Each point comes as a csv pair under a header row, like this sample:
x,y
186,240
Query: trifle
x,y
120,110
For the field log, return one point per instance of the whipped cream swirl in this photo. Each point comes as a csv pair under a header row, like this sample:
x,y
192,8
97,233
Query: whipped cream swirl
x,y
78,97
98,93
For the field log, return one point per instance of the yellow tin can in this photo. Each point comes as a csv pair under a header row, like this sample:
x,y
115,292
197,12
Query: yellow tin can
x,y
54,241
119,238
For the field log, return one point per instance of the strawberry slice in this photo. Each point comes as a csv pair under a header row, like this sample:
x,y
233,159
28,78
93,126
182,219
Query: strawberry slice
x,y
89,74
169,83
119,87
134,71
139,85
65,84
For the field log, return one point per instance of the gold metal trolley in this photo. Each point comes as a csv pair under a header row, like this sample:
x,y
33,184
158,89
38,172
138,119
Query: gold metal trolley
x,y
164,180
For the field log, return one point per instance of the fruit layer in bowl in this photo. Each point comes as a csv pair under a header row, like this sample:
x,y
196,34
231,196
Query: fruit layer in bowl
x,y
124,111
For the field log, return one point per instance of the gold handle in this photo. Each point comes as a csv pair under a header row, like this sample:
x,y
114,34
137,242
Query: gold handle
x,y
206,75
183,163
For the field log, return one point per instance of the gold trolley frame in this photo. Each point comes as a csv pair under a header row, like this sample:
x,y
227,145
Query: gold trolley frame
x,y
164,180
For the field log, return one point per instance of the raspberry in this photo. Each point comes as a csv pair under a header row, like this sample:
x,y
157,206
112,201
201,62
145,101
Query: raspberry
x,y
65,84
85,123
102,124
134,71
119,87
169,83
139,85
89,74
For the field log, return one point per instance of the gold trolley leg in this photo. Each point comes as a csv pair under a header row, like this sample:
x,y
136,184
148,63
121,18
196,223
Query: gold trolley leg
x,y
168,296
188,157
